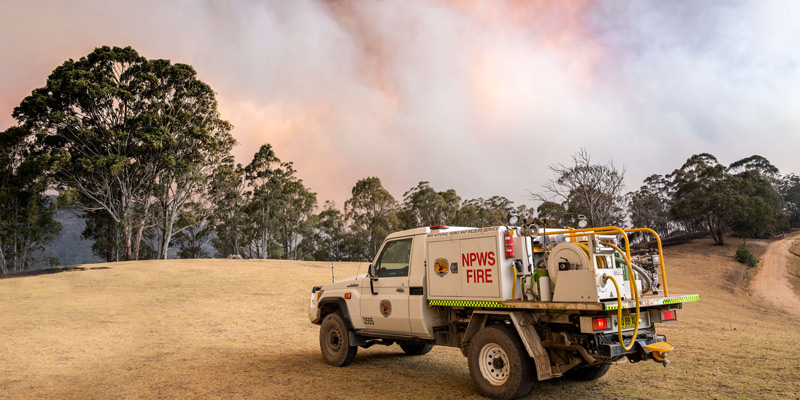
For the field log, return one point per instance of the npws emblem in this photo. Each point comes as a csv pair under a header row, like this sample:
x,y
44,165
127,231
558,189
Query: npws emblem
x,y
386,308
441,267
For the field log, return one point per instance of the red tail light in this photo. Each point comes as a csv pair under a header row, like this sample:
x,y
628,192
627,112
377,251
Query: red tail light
x,y
668,315
509,241
599,324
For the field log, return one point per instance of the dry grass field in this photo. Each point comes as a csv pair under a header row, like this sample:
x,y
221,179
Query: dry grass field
x,y
238,329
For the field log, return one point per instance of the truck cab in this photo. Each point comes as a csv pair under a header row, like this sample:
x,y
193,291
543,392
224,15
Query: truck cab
x,y
390,297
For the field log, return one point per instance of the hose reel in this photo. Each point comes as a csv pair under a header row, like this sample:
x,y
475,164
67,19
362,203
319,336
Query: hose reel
x,y
567,256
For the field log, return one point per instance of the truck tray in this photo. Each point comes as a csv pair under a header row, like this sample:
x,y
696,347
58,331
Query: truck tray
x,y
644,301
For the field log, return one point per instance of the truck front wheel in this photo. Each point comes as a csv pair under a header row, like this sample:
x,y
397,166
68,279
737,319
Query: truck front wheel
x,y
334,341
499,364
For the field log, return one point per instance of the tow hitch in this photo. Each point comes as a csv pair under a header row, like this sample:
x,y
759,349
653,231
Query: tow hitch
x,y
659,351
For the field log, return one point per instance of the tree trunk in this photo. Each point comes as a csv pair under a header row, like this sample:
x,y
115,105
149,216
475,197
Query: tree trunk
x,y
3,266
166,237
126,239
23,260
137,240
15,256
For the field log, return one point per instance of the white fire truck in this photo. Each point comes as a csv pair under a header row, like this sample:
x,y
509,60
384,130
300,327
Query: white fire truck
x,y
522,303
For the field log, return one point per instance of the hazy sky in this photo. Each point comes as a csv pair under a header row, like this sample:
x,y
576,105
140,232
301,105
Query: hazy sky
x,y
479,96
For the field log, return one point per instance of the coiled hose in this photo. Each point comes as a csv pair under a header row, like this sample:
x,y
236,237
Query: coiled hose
x,y
635,290
619,313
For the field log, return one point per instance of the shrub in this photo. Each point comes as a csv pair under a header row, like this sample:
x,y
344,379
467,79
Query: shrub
x,y
744,256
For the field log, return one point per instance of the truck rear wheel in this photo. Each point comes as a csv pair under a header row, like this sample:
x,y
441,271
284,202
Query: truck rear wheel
x,y
589,373
416,349
499,364
334,341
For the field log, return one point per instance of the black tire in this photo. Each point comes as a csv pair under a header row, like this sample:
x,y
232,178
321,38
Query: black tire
x,y
499,364
589,373
334,341
416,349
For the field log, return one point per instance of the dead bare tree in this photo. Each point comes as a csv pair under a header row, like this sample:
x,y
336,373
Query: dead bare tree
x,y
594,190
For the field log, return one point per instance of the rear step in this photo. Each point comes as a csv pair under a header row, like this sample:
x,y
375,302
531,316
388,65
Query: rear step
x,y
659,351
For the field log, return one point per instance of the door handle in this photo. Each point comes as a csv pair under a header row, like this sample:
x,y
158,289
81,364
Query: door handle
x,y
400,290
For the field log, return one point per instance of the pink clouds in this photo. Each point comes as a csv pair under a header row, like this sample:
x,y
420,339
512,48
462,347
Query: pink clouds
x,y
451,92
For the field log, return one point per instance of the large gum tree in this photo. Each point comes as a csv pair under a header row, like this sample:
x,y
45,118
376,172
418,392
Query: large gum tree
x,y
137,136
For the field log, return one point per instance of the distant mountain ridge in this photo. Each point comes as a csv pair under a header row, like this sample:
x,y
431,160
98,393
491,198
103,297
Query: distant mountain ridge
x,y
68,247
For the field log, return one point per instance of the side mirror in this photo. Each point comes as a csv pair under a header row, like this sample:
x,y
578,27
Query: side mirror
x,y
372,278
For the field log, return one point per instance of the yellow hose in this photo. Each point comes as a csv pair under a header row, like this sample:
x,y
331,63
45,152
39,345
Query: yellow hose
x,y
514,286
660,255
619,313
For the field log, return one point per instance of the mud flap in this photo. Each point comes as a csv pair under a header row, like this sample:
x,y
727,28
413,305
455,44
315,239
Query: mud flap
x,y
524,323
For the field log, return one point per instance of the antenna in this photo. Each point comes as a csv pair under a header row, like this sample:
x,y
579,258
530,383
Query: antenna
x,y
333,276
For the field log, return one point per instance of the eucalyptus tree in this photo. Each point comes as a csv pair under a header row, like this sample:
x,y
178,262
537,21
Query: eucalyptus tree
x,y
702,196
194,140
424,206
649,206
131,133
228,197
26,214
293,222
554,214
789,189
706,193
266,177
758,164
325,241
372,214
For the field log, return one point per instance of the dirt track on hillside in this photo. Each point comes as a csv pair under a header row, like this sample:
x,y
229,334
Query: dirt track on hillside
x,y
771,283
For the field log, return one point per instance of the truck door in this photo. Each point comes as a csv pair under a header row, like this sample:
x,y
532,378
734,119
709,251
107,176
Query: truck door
x,y
384,307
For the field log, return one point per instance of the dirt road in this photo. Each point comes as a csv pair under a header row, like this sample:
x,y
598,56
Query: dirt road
x,y
771,283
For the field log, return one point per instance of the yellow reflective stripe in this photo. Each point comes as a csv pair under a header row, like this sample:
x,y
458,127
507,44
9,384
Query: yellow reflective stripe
x,y
460,303
684,299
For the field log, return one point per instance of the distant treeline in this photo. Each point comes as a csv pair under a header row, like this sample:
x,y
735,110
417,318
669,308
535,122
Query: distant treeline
x,y
138,149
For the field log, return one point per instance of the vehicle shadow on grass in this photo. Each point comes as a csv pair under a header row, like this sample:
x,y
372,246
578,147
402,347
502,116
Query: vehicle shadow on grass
x,y
437,375
292,373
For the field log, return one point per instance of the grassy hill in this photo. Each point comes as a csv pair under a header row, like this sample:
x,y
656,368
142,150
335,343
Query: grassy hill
x,y
238,329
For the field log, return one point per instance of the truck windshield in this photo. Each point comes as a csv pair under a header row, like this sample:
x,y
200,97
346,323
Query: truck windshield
x,y
394,259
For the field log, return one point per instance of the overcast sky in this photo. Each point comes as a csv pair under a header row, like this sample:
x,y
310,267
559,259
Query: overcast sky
x,y
479,96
